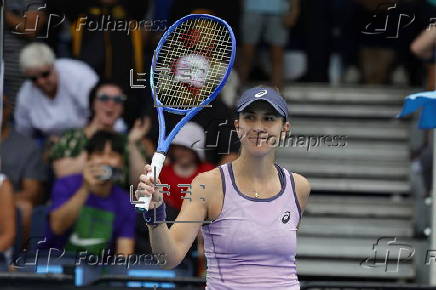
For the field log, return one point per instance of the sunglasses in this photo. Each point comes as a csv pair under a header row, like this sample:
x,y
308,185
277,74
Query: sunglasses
x,y
44,75
117,99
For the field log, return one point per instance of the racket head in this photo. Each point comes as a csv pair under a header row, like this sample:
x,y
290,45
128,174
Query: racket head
x,y
191,63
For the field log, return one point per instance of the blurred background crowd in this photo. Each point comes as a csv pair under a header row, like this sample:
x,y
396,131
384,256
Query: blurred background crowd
x,y
76,98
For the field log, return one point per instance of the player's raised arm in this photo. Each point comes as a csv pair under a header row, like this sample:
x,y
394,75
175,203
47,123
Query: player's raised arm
x,y
174,243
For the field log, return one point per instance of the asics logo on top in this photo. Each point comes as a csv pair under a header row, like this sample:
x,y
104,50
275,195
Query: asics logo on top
x,y
286,217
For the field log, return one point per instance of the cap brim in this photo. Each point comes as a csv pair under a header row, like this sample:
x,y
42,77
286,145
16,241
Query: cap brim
x,y
242,107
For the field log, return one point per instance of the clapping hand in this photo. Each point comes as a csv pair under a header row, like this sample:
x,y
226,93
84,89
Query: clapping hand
x,y
140,129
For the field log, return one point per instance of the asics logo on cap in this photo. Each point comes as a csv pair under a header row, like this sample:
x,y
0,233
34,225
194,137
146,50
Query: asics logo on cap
x,y
261,93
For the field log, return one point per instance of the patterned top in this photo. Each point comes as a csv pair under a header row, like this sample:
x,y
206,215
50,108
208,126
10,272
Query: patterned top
x,y
71,144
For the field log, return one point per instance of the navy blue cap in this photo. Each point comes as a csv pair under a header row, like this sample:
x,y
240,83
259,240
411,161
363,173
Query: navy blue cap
x,y
263,94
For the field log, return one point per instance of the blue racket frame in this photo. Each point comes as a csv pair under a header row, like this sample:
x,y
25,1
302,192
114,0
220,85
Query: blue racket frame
x,y
164,143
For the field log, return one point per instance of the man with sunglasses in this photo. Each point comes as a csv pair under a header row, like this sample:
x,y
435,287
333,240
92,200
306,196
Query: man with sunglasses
x,y
54,97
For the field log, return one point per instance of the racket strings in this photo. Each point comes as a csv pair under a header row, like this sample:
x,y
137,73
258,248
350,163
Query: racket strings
x,y
204,44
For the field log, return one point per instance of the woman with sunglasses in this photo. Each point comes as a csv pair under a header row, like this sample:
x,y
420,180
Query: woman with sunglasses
x,y
106,102
248,210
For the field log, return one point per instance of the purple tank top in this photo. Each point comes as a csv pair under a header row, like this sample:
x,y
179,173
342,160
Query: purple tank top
x,y
252,244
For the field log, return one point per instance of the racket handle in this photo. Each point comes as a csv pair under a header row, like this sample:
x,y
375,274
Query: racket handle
x,y
156,165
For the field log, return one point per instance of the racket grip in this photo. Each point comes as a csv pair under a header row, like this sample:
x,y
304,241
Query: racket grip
x,y
156,165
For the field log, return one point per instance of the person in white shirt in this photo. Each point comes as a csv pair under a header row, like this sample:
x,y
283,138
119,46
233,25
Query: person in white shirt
x,y
54,97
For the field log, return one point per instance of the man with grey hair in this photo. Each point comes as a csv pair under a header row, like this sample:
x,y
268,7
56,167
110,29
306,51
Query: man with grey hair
x,y
54,97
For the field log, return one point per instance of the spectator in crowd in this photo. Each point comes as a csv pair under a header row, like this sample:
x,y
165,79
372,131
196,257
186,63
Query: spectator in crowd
x,y
106,102
323,23
380,51
272,20
54,98
88,211
7,217
161,11
21,161
228,10
370,47
108,35
424,48
424,44
186,159
23,21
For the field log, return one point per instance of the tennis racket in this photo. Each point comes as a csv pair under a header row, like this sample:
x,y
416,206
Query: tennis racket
x,y
190,66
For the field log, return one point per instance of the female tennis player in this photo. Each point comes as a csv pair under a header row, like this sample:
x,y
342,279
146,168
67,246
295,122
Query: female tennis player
x,y
248,210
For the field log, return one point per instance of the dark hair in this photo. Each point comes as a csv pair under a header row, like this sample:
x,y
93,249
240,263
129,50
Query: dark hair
x,y
93,94
101,138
